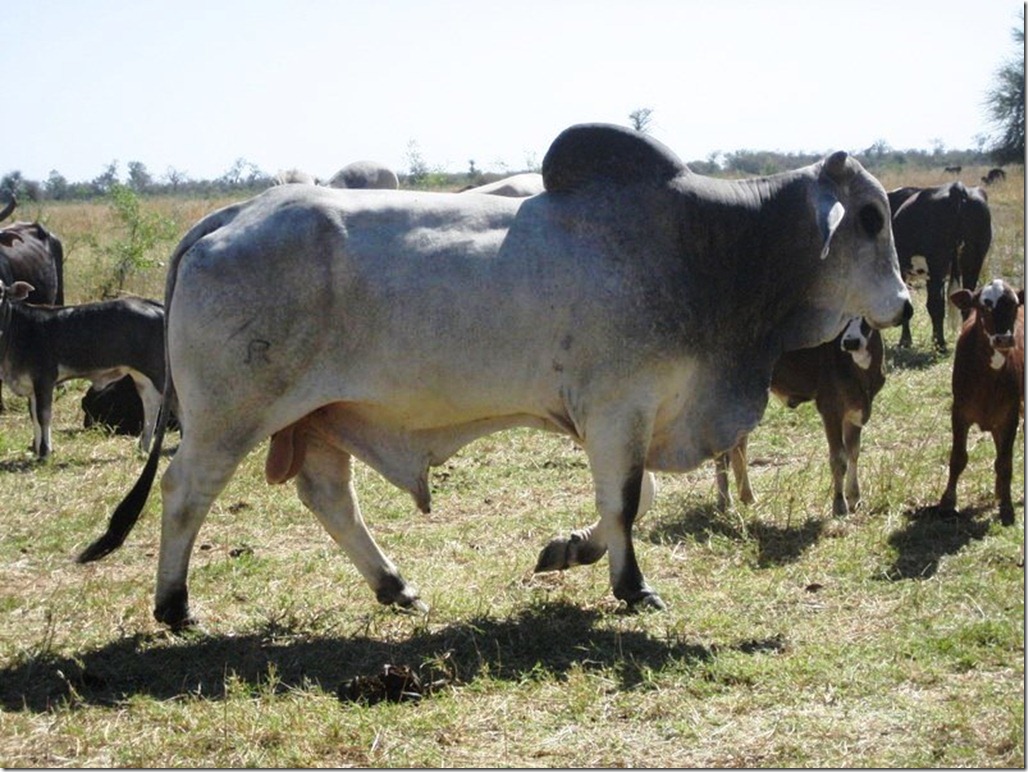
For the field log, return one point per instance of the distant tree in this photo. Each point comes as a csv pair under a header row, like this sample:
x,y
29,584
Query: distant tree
x,y
56,186
105,183
417,169
1005,103
12,184
641,119
175,178
139,178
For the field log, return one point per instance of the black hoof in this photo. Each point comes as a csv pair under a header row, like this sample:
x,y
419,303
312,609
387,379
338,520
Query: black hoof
x,y
647,601
394,591
173,611
567,551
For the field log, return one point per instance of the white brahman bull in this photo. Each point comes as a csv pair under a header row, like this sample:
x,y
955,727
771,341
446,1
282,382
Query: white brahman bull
x,y
634,306
515,186
365,174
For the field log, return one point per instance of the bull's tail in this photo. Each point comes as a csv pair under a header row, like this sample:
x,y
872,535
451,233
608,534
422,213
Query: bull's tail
x,y
128,511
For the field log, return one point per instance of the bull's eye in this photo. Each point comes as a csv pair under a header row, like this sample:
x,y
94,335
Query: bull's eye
x,y
871,220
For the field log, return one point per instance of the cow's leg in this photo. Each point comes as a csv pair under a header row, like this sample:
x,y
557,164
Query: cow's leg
x,y
957,461
740,468
837,462
936,303
587,545
724,492
616,451
1004,440
325,486
151,399
41,408
197,474
737,457
851,433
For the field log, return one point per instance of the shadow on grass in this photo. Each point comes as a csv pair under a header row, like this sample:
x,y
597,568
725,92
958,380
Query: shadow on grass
x,y
544,640
776,545
931,533
913,358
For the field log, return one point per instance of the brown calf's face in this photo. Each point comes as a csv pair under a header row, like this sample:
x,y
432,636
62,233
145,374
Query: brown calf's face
x,y
996,306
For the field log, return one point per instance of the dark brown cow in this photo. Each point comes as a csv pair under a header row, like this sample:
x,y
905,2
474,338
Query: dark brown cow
x,y
988,384
41,346
942,234
30,253
842,377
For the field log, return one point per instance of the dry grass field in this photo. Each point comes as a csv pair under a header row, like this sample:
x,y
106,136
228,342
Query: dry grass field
x,y
890,637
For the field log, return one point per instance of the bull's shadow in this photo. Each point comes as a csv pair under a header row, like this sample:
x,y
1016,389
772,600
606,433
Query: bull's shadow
x,y
545,639
931,533
776,545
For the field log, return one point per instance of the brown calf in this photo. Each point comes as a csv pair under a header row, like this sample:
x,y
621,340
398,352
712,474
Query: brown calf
x,y
842,377
988,383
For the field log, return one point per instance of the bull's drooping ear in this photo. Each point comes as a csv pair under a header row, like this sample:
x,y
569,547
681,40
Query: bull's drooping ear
x,y
830,212
963,299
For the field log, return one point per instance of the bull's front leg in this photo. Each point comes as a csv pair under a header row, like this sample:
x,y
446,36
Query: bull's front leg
x,y
585,546
617,449
41,408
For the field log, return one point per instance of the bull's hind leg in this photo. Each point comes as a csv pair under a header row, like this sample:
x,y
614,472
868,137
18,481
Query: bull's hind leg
x,y
193,480
325,486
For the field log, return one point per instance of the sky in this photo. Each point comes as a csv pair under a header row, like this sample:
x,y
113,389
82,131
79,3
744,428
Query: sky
x,y
193,86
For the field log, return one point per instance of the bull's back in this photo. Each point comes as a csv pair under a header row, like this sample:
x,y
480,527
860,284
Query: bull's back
x,y
339,294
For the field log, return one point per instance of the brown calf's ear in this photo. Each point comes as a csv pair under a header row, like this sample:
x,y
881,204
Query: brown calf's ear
x,y
963,299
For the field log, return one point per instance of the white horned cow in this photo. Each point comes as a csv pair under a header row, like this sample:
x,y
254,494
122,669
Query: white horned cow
x,y
634,306
365,174
515,186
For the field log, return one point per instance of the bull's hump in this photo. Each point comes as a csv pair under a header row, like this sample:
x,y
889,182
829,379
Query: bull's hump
x,y
600,152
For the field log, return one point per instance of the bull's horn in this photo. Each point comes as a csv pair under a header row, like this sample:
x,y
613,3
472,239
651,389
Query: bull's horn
x,y
9,208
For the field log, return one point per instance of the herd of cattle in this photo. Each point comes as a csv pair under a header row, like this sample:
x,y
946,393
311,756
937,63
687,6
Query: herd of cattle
x,y
617,298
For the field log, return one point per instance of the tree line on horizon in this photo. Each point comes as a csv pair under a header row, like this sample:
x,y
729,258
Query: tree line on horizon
x,y
245,177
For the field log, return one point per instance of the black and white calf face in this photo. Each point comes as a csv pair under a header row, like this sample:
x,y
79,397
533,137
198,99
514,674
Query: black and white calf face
x,y
996,307
854,341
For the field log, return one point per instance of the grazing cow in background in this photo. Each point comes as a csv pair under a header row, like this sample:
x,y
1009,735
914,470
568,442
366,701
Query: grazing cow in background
x,y
954,169
41,346
365,174
634,306
843,377
293,177
516,186
988,384
994,175
117,407
30,253
942,235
